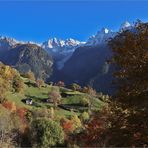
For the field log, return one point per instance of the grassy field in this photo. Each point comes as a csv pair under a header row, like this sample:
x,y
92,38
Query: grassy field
x,y
74,98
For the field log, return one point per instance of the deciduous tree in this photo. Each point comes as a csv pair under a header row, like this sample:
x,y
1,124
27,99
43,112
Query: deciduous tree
x,y
46,133
130,50
55,96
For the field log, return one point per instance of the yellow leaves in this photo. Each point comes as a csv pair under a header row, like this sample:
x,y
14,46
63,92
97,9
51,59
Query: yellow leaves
x,y
76,122
30,75
13,109
6,72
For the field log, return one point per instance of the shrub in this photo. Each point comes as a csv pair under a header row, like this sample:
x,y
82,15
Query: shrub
x,y
60,84
39,83
9,105
84,101
84,117
55,96
46,133
9,128
67,125
75,87
18,84
21,112
30,75
76,123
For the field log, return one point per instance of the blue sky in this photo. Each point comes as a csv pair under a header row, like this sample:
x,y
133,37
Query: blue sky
x,y
40,20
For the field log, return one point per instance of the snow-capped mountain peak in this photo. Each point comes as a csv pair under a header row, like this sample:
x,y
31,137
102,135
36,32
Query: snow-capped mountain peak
x,y
100,38
54,42
61,49
105,30
71,42
58,43
9,40
105,34
7,43
126,25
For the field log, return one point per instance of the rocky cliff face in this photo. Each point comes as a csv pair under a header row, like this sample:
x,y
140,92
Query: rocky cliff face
x,y
61,50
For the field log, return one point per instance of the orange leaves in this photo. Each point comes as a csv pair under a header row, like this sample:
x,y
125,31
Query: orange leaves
x,y
95,130
67,125
10,106
21,112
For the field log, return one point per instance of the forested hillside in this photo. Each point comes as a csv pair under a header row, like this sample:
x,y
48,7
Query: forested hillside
x,y
28,57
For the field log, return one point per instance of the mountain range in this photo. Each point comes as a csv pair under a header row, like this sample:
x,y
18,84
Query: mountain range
x,y
61,50
67,60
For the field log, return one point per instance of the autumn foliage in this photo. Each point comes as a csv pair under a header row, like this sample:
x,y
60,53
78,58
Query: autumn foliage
x,y
67,125
9,105
21,112
130,50
124,122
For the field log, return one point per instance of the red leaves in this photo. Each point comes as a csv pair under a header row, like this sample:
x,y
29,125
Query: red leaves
x,y
21,112
95,129
137,135
10,106
67,125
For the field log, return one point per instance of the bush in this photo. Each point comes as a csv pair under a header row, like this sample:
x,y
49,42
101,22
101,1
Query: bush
x,y
30,75
60,84
10,127
78,100
84,117
39,83
67,125
84,102
55,96
9,105
75,87
18,84
76,123
46,133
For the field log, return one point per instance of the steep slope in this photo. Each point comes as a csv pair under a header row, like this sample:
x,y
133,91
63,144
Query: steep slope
x,y
7,43
88,66
74,61
100,38
125,26
25,57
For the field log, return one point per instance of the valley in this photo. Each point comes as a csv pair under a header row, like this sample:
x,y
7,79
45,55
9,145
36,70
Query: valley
x,y
69,93
68,60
